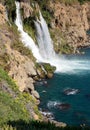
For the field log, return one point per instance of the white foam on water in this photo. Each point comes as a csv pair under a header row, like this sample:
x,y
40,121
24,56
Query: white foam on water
x,y
51,104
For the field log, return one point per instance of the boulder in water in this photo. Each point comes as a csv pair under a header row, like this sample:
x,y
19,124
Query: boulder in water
x,y
87,96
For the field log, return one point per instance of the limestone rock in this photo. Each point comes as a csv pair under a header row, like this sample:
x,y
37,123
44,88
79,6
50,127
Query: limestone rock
x,y
3,17
35,94
58,124
49,75
71,21
20,67
27,9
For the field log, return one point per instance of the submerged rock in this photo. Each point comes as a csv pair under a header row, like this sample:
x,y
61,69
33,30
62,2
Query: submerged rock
x,y
59,105
87,96
63,106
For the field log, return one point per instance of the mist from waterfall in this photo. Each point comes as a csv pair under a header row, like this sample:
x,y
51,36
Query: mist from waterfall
x,y
25,38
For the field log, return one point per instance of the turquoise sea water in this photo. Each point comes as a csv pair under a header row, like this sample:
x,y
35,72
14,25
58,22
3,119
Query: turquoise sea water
x,y
52,93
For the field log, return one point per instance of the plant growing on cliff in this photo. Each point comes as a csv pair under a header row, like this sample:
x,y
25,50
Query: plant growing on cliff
x,y
29,26
11,9
17,44
36,125
13,103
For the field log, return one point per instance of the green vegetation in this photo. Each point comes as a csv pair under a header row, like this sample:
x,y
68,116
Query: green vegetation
x,y
29,27
4,58
60,46
4,77
10,109
44,8
45,70
13,103
49,68
66,48
19,46
36,125
11,9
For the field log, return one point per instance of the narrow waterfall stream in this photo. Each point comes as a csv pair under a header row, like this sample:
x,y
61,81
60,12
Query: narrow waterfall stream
x,y
25,38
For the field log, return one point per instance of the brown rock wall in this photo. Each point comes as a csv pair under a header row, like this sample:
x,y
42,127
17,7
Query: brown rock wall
x,y
72,21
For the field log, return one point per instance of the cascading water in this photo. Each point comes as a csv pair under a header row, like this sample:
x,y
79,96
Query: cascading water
x,y
26,39
45,52
62,64
44,40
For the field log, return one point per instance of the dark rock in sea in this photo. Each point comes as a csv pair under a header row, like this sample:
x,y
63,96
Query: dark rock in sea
x,y
63,106
87,95
41,82
70,91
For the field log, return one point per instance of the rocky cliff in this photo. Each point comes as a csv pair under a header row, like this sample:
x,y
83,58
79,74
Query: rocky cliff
x,y
17,61
72,22
19,65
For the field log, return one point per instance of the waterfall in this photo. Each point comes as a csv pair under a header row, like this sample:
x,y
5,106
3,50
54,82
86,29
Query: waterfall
x,y
45,43
25,38
43,38
44,52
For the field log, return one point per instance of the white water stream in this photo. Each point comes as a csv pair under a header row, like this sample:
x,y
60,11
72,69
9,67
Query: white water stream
x,y
25,38
44,52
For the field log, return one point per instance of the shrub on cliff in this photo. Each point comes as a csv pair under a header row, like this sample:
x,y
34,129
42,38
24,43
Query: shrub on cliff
x,y
36,125
15,105
11,9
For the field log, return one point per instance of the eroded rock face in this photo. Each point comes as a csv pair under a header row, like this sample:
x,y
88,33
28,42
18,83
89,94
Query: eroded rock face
x,y
71,21
88,14
35,94
27,9
20,67
3,17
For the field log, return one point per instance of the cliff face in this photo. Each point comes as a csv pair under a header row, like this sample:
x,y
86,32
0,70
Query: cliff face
x,y
18,61
3,17
72,21
20,66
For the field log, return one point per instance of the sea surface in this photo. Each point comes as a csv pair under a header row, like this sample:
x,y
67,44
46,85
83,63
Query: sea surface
x,y
55,97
